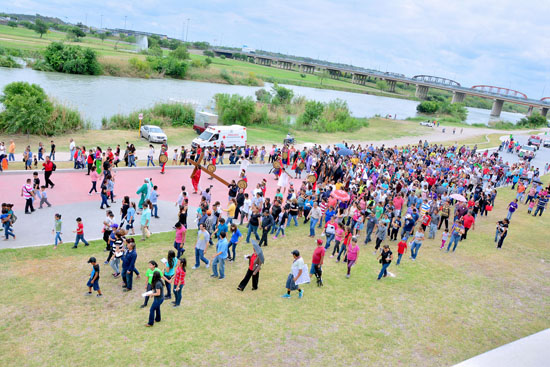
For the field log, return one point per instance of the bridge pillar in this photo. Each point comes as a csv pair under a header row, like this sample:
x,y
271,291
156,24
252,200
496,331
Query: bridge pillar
x,y
497,108
544,111
458,97
530,111
421,91
391,85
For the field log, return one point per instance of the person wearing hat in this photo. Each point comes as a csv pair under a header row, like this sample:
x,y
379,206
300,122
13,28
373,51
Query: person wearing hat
x,y
317,262
93,282
296,276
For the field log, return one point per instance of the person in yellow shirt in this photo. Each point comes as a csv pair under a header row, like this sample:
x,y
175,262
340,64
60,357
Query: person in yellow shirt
x,y
231,211
338,185
11,151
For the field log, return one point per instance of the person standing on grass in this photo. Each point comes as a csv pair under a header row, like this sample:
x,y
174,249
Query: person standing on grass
x,y
203,237
27,192
317,262
219,257
93,282
469,222
266,222
179,280
353,253
179,241
145,220
330,231
49,167
255,261
541,205
169,271
129,265
512,208
401,248
416,243
235,238
57,227
108,229
153,269
344,247
386,256
457,230
314,216
502,232
158,293
296,271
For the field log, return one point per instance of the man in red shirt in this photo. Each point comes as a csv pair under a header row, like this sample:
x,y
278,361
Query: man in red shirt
x,y
317,262
426,219
469,222
401,247
48,169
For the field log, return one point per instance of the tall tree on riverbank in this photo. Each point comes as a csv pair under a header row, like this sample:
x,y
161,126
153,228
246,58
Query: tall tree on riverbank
x,y
40,27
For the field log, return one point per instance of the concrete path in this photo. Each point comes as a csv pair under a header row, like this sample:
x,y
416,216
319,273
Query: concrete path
x,y
531,351
70,198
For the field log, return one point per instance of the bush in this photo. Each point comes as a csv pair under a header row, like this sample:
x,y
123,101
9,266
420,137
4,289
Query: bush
x,y
428,107
302,75
455,110
534,121
41,65
263,96
382,85
208,61
222,57
180,53
235,109
139,65
72,59
168,66
227,77
312,113
28,110
12,24
161,114
282,95
330,117
209,53
8,62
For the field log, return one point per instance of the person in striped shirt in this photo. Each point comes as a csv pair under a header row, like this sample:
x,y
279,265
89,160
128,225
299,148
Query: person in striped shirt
x,y
27,192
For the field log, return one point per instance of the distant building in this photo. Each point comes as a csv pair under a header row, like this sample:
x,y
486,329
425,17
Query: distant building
x,y
129,32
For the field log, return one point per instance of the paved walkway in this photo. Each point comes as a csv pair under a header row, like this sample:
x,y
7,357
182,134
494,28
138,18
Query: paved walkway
x,y
70,198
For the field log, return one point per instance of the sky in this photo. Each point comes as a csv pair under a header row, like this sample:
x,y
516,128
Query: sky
x,y
490,42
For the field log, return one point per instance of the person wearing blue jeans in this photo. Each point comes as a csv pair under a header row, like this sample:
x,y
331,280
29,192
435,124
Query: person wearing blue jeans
x,y
294,218
312,224
203,237
154,311
417,242
80,237
314,215
128,265
252,229
253,223
457,230
219,257
385,257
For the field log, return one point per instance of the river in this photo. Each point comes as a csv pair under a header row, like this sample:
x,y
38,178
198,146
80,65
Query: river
x,y
103,96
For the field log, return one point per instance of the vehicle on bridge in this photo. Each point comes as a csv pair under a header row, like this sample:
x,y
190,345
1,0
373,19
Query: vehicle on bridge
x,y
535,141
427,123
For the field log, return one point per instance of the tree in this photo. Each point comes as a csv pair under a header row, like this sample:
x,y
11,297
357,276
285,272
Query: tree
x,y
235,109
12,24
40,27
382,85
323,75
429,107
72,59
26,109
77,33
282,94
180,53
102,36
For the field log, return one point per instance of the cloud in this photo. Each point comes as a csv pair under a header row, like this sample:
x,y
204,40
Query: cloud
x,y
497,42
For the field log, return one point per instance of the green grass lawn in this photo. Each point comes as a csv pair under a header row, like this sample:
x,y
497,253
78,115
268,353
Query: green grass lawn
x,y
440,310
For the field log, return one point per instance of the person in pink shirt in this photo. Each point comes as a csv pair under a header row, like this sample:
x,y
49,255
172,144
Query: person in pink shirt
x,y
179,241
398,204
338,235
353,252
93,176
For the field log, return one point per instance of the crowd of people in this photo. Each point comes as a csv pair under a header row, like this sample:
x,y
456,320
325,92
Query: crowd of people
x,y
351,195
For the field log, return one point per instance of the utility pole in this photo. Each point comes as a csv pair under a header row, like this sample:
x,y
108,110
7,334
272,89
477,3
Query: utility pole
x,y
86,20
187,32
101,26
125,21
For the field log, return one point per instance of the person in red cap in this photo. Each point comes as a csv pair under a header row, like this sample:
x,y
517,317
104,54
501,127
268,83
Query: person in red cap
x,y
317,262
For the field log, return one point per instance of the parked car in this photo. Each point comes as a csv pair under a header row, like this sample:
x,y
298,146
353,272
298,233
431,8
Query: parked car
x,y
527,150
153,134
546,143
535,141
427,123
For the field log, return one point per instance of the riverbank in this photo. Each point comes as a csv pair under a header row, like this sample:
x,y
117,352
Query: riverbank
x,y
115,56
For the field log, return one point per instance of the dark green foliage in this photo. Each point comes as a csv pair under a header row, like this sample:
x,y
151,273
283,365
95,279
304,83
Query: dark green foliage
x,y
235,109
534,121
329,117
209,53
440,105
72,59
40,27
263,96
180,53
428,107
162,114
12,24
8,62
28,110
168,66
282,95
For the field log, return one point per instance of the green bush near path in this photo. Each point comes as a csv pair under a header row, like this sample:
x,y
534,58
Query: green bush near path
x,y
161,114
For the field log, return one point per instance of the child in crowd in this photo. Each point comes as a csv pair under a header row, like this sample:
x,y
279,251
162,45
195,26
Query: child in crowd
x,y
93,176
154,200
93,282
353,253
444,237
338,239
401,248
79,233
57,230
531,206
43,197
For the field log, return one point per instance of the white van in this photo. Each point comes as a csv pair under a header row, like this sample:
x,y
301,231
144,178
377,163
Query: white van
x,y
213,136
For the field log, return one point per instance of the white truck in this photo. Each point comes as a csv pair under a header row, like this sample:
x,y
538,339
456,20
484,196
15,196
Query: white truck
x,y
203,120
214,136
